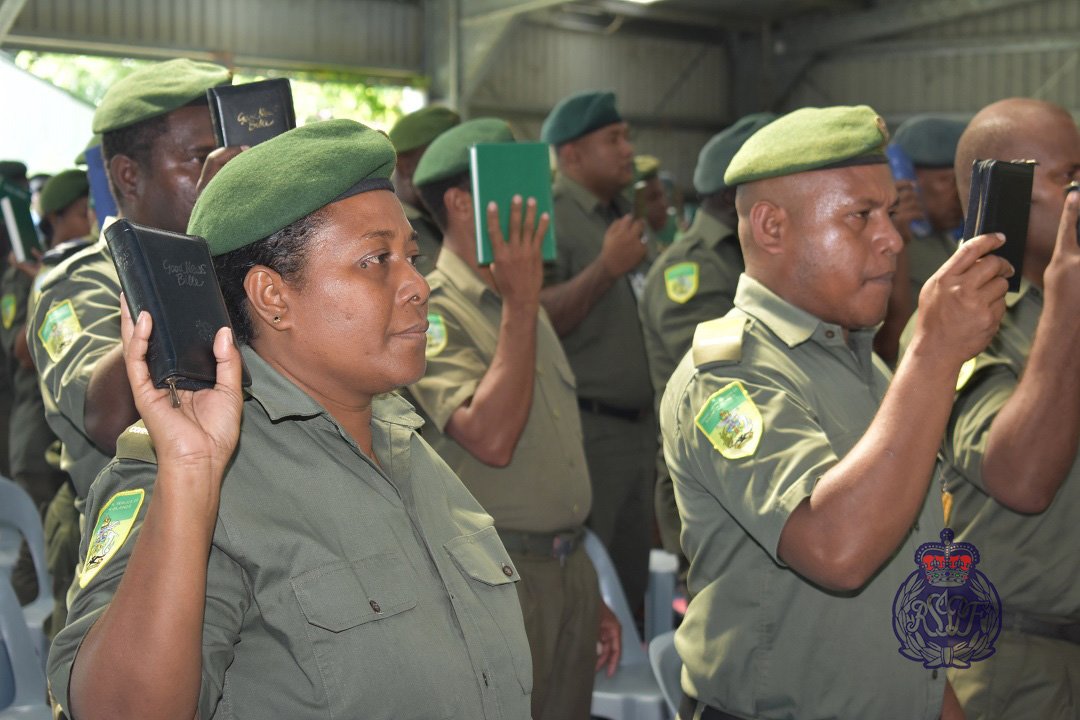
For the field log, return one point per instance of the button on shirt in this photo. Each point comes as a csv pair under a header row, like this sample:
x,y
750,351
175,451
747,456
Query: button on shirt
x,y
335,589
758,639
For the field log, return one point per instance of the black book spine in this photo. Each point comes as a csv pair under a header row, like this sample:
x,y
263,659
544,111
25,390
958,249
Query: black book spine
x,y
216,118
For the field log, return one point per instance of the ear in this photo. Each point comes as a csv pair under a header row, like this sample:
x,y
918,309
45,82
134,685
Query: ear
x,y
125,175
768,225
459,205
268,298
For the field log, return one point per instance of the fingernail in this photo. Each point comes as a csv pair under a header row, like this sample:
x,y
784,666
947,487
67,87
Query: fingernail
x,y
517,198
1000,236
491,205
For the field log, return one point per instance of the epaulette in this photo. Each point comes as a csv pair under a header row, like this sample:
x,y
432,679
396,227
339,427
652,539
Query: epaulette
x,y
719,340
63,251
135,444
975,365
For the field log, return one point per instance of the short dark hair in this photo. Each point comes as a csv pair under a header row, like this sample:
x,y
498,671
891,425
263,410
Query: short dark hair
x,y
432,195
285,252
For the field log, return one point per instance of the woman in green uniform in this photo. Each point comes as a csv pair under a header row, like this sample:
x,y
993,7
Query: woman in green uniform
x,y
296,549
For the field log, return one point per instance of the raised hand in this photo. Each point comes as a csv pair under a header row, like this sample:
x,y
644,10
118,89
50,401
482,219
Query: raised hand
x,y
517,267
624,246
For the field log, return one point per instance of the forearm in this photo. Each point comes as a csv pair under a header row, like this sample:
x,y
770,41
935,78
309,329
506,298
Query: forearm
x,y
569,302
1026,458
109,406
490,425
143,657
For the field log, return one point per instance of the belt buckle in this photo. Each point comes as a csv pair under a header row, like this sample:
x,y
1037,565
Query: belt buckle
x,y
560,548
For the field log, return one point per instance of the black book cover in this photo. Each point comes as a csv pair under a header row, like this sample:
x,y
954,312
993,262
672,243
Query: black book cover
x,y
1000,201
251,113
172,277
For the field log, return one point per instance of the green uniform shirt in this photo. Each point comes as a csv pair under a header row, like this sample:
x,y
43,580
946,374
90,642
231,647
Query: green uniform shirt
x,y
758,639
693,281
925,256
545,488
1031,559
74,322
335,588
610,335
428,237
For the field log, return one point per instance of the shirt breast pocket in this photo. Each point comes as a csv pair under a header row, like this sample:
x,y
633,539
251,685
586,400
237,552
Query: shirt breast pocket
x,y
491,576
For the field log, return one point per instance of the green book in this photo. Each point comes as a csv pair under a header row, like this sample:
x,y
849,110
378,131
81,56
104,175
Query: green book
x,y
15,206
499,172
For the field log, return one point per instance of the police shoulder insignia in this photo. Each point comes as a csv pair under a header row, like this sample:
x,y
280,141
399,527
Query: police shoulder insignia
x,y
719,340
681,281
436,335
59,329
7,309
113,526
731,421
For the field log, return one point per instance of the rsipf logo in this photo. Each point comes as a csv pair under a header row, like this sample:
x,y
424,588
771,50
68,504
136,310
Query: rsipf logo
x,y
947,613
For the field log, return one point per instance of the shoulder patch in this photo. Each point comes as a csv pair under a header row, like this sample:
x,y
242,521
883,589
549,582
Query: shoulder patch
x,y
681,281
719,340
8,305
59,329
436,335
135,444
731,421
113,526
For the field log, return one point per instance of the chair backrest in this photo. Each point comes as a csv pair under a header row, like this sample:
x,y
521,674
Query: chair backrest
x,y
667,667
17,510
633,652
19,646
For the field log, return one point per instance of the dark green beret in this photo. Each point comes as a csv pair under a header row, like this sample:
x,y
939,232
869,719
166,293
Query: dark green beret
x,y
579,115
80,159
930,140
646,167
419,128
12,170
277,182
63,189
448,154
155,90
714,158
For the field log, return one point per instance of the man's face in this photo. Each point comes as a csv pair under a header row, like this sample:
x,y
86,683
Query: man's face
x,y
606,156
937,186
843,248
168,188
656,206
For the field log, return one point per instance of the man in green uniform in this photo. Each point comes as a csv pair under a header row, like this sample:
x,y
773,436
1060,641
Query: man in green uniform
x,y
694,281
799,471
1013,470
500,394
411,136
651,202
590,295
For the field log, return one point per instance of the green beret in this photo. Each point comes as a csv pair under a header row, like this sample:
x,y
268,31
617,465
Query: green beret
x,y
579,115
12,170
155,90
80,159
448,154
277,182
419,128
646,167
810,139
929,140
63,189
714,158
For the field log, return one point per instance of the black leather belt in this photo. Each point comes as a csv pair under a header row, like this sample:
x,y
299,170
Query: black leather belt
x,y
554,545
598,408
689,705
1019,622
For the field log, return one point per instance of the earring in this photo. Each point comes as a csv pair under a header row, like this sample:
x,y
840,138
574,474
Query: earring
x,y
277,318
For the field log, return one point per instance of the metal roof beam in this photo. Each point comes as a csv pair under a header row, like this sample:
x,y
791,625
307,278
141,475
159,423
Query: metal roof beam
x,y
9,12
475,12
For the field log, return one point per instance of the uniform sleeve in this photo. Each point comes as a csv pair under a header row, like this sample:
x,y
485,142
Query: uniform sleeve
x,y
228,598
453,372
13,294
973,413
759,491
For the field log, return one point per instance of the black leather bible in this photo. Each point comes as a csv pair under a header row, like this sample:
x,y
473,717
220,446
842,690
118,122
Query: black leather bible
x,y
172,277
1000,201
251,113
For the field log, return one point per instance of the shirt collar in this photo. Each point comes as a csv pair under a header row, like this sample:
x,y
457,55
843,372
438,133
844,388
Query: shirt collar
x,y
461,276
792,325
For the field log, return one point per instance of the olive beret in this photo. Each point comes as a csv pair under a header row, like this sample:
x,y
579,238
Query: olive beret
x,y
579,115
810,139
930,140
419,128
448,154
63,189
714,158
277,182
646,167
80,159
12,170
155,90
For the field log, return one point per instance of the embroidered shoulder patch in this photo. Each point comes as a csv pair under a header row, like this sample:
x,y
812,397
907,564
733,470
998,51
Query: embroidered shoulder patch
x,y
436,335
59,329
731,421
7,310
113,527
681,281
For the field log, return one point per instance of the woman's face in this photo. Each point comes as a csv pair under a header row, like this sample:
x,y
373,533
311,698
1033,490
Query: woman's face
x,y
359,316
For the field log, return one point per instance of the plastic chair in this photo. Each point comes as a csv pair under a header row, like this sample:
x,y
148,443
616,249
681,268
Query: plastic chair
x,y
17,510
632,693
28,694
660,594
667,668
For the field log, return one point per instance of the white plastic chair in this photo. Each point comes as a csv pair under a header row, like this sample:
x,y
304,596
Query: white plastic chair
x,y
660,594
28,694
632,693
17,510
667,668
